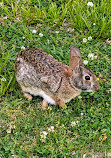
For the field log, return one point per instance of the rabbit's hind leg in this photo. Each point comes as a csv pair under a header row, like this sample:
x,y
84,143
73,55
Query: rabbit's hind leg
x,y
26,92
28,96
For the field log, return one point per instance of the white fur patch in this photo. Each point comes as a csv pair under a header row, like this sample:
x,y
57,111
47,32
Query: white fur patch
x,y
38,92
89,90
47,98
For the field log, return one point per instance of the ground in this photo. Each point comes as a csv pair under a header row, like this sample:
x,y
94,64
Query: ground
x,y
84,128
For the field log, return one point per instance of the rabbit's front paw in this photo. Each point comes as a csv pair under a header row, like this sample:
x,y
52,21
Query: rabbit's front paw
x,y
61,104
44,105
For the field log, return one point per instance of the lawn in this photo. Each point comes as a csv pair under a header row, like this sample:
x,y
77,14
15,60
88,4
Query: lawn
x,y
83,130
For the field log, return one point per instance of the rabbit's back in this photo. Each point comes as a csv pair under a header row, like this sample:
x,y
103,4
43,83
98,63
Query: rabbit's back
x,y
35,68
42,62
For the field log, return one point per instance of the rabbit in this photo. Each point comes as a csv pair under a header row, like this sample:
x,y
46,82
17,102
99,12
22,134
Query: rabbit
x,y
39,74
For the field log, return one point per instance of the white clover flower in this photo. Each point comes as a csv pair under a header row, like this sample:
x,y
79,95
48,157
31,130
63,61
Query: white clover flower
x,y
89,38
79,96
45,133
5,17
91,56
40,34
57,32
84,40
22,48
109,90
3,79
51,129
73,123
90,4
49,108
34,31
1,4
43,136
85,62
95,57
108,40
14,127
23,37
8,130
18,1
82,114
70,29
94,24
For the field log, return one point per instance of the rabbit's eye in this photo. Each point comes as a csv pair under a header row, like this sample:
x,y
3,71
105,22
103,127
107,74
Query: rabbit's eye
x,y
87,77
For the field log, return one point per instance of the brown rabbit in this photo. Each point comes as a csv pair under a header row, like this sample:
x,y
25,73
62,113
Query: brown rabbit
x,y
39,74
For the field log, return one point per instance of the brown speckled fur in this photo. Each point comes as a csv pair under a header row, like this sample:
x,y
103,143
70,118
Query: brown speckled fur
x,y
38,73
42,62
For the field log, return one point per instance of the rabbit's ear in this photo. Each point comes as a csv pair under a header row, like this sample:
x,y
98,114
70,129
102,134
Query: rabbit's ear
x,y
75,58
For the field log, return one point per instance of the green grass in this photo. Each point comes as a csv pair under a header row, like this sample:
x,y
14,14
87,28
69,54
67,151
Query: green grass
x,y
52,13
22,121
